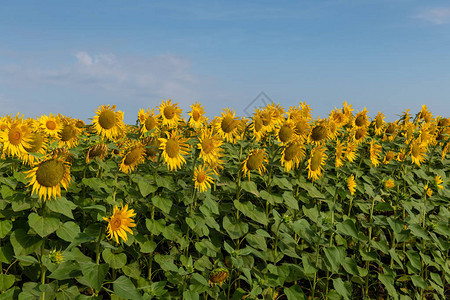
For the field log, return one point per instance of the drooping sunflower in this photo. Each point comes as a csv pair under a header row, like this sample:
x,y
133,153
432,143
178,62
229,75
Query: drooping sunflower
x,y
338,117
202,178
255,161
120,222
375,152
390,155
38,144
174,147
351,184
68,135
316,162
378,123
257,127
50,124
218,276
133,157
445,150
339,154
350,151
305,110
209,146
292,154
170,113
348,111
319,133
197,118
417,152
425,114
286,132
302,128
48,176
227,125
149,121
277,112
361,119
390,131
108,123
15,138
359,134
97,152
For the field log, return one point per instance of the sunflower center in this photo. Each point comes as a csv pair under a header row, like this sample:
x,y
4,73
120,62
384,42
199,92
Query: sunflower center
x,y
50,173
133,156
415,150
207,145
316,160
195,115
390,129
35,143
201,177
115,223
360,120
290,152
80,124
107,119
285,133
378,122
228,124
169,112
15,136
67,133
359,134
150,123
255,161
266,118
258,124
319,133
50,124
172,148
96,150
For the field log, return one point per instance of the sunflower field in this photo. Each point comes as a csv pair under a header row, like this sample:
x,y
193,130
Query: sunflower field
x,y
276,206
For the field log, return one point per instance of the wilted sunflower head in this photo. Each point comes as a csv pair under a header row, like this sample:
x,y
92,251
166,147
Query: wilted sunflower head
x,y
218,276
97,152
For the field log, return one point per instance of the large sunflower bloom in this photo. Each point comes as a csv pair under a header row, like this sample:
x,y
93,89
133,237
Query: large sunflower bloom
x,y
361,119
197,118
170,113
209,146
292,154
319,133
286,132
120,222
107,122
15,138
68,135
351,184
255,161
174,147
202,178
417,152
227,125
51,124
133,157
47,176
375,152
257,127
316,162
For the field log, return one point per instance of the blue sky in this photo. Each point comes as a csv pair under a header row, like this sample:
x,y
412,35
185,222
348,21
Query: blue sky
x,y
70,57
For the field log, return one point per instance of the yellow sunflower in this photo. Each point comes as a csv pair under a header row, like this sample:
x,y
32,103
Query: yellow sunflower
x,y
391,131
149,121
38,144
209,146
120,222
48,176
339,154
388,184
68,136
257,127
351,184
305,110
202,178
417,152
50,124
359,134
15,138
316,162
133,157
97,152
227,125
197,118
439,182
338,117
445,150
174,147
350,151
255,161
375,152
388,157
319,133
108,123
170,113
292,154
361,119
286,132
302,128
425,114
378,123
348,111
428,190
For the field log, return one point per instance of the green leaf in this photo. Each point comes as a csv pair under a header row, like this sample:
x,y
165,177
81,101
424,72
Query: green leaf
x,y
163,204
419,282
27,259
115,261
256,241
414,258
271,198
312,213
166,182
312,190
294,292
43,225
234,230
350,266
6,253
334,258
132,270
68,231
418,231
24,244
190,295
290,201
66,270
6,281
62,206
5,228
388,281
255,213
348,227
67,293
250,186
94,274
342,288
124,287
146,188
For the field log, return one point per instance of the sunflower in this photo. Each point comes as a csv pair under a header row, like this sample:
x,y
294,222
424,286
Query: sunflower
x,y
305,110
170,113
316,162
148,120
359,134
107,122
47,176
209,146
348,110
439,182
218,276
361,119
425,114
339,153
227,125
390,132
428,191
268,119
50,124
256,127
292,154
120,222
174,147
401,155
80,124
375,152
277,112
350,151
388,157
351,184
417,152
15,138
68,136
445,150
38,144
151,147
202,178
378,123
255,161
388,184
319,133
97,152
197,118
338,117
286,132
302,128
133,157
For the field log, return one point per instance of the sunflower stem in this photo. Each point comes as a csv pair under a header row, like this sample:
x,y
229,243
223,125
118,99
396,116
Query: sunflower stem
x,y
97,245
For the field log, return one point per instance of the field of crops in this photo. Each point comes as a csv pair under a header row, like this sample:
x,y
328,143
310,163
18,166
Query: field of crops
x,y
276,206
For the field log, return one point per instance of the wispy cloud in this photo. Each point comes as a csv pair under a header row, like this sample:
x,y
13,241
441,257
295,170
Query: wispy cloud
x,y
437,15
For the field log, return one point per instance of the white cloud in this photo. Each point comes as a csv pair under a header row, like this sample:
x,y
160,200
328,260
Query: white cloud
x,y
84,58
436,16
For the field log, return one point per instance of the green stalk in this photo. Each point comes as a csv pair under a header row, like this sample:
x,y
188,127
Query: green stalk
x,y
97,245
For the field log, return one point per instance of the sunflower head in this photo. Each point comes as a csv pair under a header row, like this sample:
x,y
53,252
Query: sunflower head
x,y
174,147
319,133
134,156
107,122
351,184
120,222
316,162
170,113
202,178
255,161
292,154
361,119
218,276
97,152
197,118
286,132
388,184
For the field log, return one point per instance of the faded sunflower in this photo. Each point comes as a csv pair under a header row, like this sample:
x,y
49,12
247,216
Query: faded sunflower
x,y
197,118
339,154
202,178
174,147
48,176
390,155
417,152
316,162
292,154
170,113
218,276
107,122
255,161
120,222
351,184
133,157
97,152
